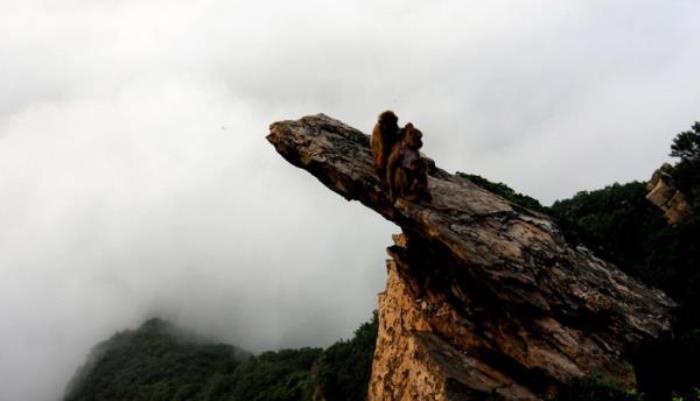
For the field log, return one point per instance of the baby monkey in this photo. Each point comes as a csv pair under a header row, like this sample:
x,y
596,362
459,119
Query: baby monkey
x,y
406,171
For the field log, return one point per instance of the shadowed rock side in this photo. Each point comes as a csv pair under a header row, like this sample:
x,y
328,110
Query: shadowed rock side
x,y
484,299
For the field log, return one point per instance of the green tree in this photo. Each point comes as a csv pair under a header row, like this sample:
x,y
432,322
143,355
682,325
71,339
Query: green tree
x,y
342,372
275,376
686,145
686,173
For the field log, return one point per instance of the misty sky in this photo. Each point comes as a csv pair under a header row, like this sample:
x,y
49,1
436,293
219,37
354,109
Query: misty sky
x,y
135,179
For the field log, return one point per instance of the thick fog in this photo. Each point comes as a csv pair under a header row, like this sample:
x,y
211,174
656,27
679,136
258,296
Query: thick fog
x,y
135,179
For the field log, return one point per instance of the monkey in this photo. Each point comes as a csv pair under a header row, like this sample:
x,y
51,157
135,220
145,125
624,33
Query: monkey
x,y
384,136
406,171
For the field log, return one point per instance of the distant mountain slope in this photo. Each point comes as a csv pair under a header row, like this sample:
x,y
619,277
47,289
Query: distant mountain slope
x,y
154,362
158,362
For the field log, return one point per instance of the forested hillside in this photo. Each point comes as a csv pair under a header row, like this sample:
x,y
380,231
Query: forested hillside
x,y
158,362
154,362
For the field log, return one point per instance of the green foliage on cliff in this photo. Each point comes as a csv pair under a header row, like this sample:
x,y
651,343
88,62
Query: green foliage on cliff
x,y
505,191
686,173
686,145
157,362
342,372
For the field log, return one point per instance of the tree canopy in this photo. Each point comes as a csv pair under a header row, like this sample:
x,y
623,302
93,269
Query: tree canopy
x,y
686,145
158,362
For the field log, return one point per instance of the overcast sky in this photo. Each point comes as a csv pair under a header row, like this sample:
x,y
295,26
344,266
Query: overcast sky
x,y
135,179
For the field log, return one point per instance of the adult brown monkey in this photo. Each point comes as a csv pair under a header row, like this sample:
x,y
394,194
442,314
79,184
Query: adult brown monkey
x,y
384,136
406,171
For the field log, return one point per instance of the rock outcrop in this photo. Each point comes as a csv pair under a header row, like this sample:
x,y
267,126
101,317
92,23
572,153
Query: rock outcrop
x,y
666,197
484,299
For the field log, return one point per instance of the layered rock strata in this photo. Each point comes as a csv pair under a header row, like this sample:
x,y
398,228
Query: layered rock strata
x,y
666,196
484,299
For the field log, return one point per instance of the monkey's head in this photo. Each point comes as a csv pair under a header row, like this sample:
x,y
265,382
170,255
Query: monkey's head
x,y
388,121
412,136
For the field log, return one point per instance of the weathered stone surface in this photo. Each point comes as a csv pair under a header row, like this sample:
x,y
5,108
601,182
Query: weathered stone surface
x,y
666,197
484,298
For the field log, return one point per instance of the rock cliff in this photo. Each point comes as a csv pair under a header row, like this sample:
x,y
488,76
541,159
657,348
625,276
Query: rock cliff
x,y
666,197
484,299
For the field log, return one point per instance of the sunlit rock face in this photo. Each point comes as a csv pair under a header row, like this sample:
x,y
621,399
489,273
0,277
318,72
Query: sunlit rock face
x,y
484,299
666,197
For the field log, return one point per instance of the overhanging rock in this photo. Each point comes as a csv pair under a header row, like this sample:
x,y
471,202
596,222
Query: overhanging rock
x,y
484,299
